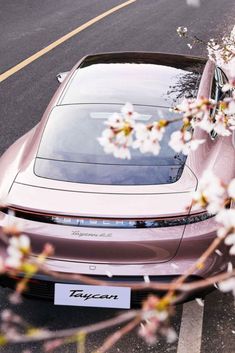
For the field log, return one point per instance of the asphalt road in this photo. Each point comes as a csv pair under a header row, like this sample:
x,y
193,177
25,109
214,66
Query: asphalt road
x,y
27,26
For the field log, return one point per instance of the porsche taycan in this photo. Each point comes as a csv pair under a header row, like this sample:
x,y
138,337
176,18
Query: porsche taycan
x,y
107,218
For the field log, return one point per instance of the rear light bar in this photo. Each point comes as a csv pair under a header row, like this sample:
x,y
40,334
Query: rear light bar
x,y
108,222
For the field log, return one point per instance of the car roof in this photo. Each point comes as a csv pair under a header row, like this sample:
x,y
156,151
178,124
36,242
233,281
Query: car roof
x,y
140,78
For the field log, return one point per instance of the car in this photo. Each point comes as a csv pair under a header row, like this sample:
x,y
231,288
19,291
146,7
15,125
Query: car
x,y
112,219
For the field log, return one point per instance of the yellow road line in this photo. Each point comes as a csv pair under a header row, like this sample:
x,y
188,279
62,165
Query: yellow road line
x,y
61,40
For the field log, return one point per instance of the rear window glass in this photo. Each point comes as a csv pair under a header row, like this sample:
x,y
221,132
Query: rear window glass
x,y
70,151
118,80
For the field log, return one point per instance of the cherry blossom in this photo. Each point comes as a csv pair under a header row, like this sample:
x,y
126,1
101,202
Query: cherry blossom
x,y
206,124
156,313
18,249
170,334
196,113
221,127
230,241
118,136
228,86
148,137
123,132
214,52
228,285
15,226
231,189
222,53
228,106
128,111
182,141
156,325
226,218
148,331
193,3
182,31
231,68
210,193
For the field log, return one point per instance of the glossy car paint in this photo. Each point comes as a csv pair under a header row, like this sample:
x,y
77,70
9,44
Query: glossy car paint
x,y
123,252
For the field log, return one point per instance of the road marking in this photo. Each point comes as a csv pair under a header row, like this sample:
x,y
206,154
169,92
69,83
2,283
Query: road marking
x,y
190,335
61,40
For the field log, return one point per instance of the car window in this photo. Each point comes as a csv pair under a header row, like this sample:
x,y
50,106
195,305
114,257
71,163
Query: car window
x,y
117,81
70,151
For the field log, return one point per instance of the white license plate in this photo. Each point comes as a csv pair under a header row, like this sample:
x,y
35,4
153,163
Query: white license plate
x,y
96,296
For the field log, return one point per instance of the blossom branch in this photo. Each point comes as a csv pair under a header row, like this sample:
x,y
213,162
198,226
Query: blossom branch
x,y
45,335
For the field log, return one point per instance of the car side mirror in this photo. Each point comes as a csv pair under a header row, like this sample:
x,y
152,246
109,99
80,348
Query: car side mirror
x,y
61,76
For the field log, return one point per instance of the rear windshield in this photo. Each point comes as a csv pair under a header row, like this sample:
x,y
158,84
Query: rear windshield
x,y
70,151
117,83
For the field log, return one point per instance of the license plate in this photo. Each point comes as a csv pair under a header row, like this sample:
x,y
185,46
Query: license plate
x,y
95,296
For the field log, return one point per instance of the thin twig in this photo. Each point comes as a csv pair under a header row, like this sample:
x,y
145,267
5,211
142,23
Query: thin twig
x,y
45,335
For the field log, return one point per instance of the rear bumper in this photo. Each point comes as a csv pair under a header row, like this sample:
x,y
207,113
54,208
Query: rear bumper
x,y
196,239
42,286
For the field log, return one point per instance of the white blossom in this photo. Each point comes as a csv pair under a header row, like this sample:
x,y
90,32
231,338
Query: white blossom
x,y
230,109
205,124
210,192
231,65
228,285
14,258
18,248
148,331
226,218
128,111
231,189
182,141
117,138
122,152
223,53
171,335
230,267
227,87
221,127
196,112
182,31
147,139
193,3
230,241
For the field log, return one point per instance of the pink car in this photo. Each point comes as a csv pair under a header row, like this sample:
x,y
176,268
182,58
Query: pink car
x,y
112,219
